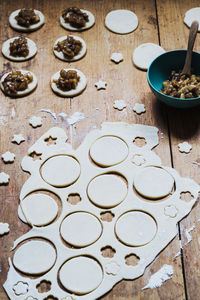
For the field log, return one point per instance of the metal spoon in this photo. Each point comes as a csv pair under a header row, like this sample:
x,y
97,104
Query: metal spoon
x,y
192,36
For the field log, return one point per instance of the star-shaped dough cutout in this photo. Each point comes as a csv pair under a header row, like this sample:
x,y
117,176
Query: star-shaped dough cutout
x,y
18,138
35,121
8,157
116,57
101,85
4,178
184,147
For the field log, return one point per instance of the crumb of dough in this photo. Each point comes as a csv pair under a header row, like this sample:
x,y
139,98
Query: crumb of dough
x,y
18,138
101,85
119,104
35,121
184,147
8,157
4,228
139,108
4,178
116,57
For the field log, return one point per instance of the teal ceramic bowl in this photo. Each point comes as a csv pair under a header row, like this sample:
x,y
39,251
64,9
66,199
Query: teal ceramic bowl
x,y
161,68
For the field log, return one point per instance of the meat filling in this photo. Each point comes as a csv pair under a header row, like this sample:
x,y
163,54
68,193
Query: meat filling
x,y
70,47
19,47
27,17
68,80
75,17
16,81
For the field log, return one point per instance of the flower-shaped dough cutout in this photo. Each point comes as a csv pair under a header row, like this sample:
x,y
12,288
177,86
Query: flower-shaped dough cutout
x,y
112,268
20,288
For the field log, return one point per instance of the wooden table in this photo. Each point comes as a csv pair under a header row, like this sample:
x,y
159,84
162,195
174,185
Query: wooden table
x,y
161,22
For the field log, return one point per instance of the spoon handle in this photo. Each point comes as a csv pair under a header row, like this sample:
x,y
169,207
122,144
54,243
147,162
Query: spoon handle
x,y
192,36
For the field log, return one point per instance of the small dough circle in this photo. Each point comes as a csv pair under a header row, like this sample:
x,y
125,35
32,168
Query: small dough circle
x,y
80,86
121,21
15,25
153,182
144,54
191,15
31,86
81,229
135,228
40,209
31,46
88,25
108,151
61,56
107,190
81,275
34,257
60,170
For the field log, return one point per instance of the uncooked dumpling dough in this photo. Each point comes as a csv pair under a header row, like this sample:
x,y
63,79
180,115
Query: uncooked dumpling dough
x,y
144,54
15,25
81,275
191,15
121,21
153,182
88,24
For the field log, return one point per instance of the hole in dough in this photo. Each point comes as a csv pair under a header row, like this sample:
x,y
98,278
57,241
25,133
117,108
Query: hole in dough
x,y
108,251
81,274
186,196
107,190
139,141
44,286
107,216
60,170
132,259
80,229
74,198
51,297
50,140
135,228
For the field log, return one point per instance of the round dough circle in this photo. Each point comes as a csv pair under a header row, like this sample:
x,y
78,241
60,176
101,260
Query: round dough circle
x,y
61,56
31,86
40,209
31,46
144,54
81,275
80,86
81,229
15,25
34,257
191,15
108,151
135,228
88,25
153,182
121,21
60,170
107,190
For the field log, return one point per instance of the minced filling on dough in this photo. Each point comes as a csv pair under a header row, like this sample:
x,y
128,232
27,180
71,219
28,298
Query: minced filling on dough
x,y
68,80
27,17
19,47
16,81
70,47
75,17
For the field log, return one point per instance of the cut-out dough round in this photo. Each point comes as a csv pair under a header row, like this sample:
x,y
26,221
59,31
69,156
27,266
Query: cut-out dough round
x,y
80,86
15,25
81,275
135,228
144,54
108,151
81,229
88,25
191,15
34,257
31,46
60,170
61,56
153,182
121,21
107,190
31,86
40,209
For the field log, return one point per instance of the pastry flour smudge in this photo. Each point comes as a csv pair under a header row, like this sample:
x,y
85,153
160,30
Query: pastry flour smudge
x,y
49,112
187,233
76,117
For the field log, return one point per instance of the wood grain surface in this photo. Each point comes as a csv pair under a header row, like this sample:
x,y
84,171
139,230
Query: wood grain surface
x,y
160,21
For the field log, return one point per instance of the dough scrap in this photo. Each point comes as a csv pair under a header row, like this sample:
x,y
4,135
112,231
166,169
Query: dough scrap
x,y
15,25
191,15
139,108
35,121
88,24
184,147
121,21
18,138
20,288
119,104
4,178
100,85
117,57
8,157
4,227
144,54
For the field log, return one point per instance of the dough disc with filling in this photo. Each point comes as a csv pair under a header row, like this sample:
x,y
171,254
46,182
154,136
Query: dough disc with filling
x,y
88,24
15,25
191,15
144,54
121,21
31,46
80,86
61,56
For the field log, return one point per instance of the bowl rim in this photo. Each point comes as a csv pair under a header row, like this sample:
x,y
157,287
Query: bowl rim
x,y
162,94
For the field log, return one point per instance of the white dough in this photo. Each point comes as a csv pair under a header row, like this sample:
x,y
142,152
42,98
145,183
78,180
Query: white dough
x,y
121,21
80,86
184,147
18,138
4,228
34,257
81,275
8,157
61,56
60,170
108,151
139,108
191,15
15,25
107,190
35,121
116,57
20,288
31,86
144,54
100,85
153,182
4,178
119,104
88,25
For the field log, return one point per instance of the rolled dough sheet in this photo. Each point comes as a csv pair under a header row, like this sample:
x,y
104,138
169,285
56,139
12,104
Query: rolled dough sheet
x,y
121,21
